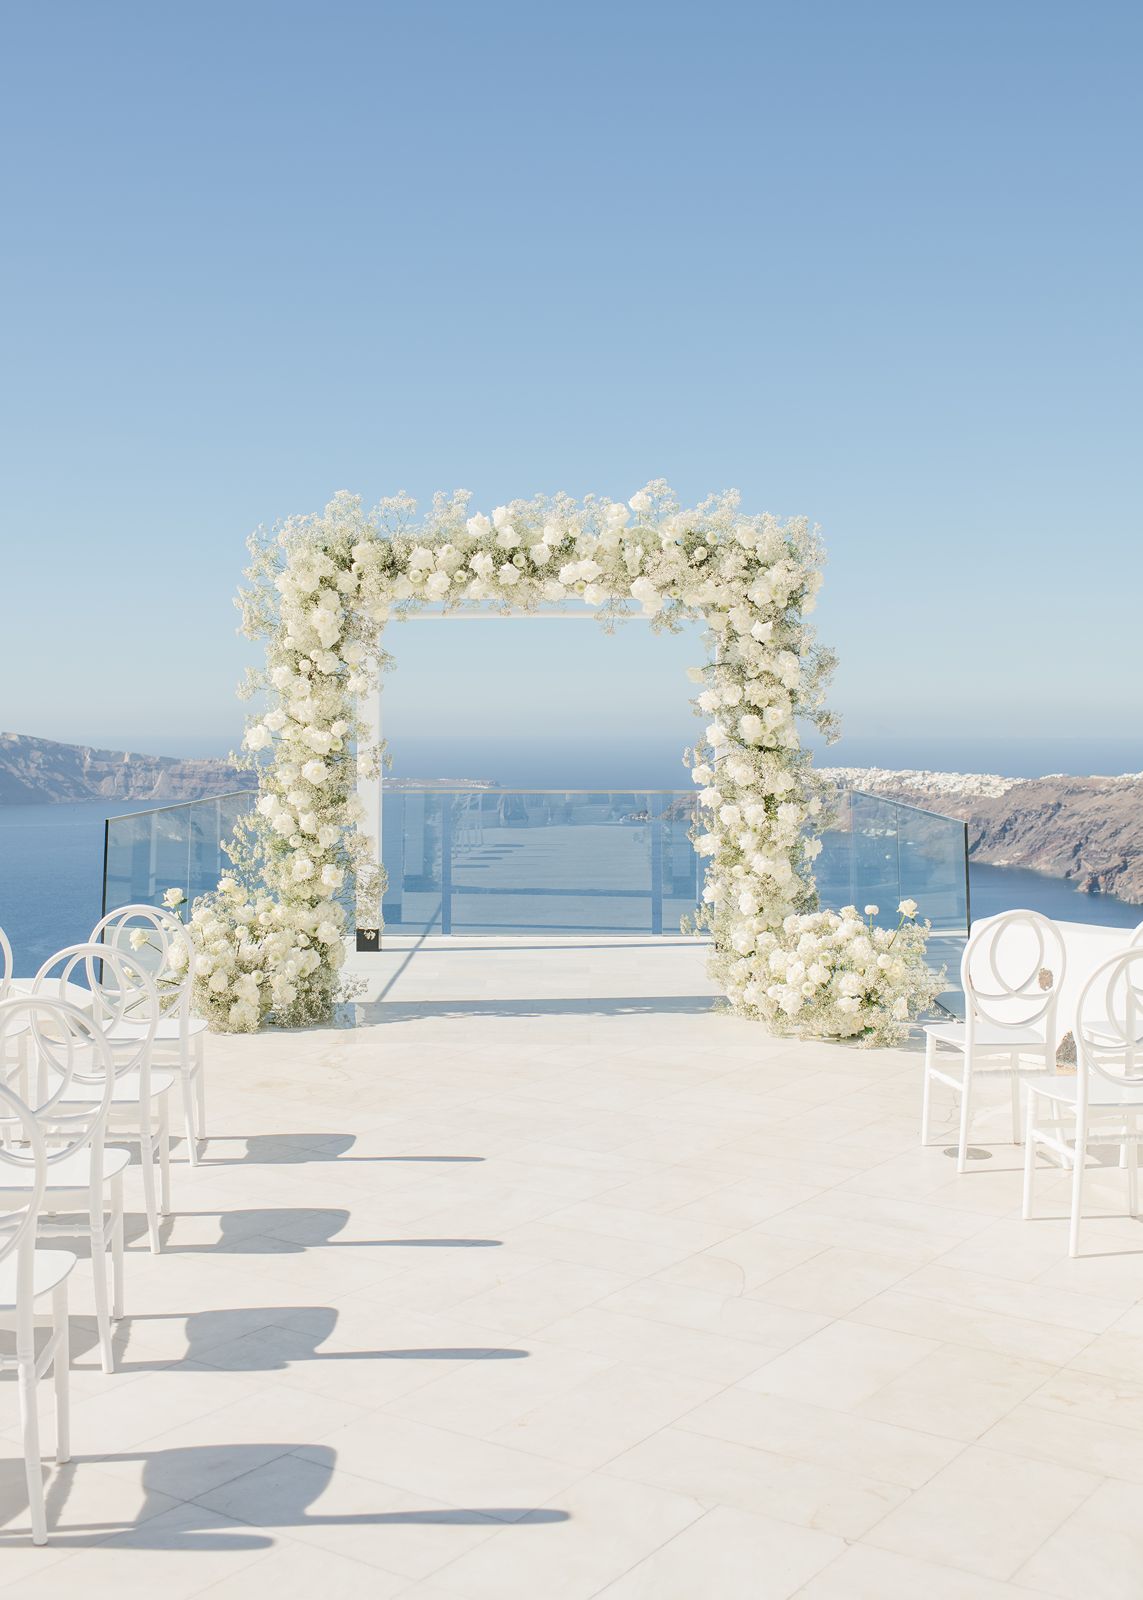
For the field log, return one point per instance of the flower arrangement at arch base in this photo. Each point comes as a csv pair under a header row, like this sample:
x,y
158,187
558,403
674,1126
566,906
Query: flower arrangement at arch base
x,y
835,975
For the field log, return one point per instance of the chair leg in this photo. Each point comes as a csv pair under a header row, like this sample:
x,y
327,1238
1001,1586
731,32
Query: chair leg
x,y
99,1280
1016,1127
1029,1152
117,1247
1077,1183
200,1084
147,1164
965,1114
1132,1165
926,1096
30,1423
61,1368
164,1156
188,1115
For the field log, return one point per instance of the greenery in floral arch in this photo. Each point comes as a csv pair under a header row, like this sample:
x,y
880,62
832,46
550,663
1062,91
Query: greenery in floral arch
x,y
270,940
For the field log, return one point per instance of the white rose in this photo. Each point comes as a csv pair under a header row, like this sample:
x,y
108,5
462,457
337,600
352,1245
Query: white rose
x,y
751,728
437,586
302,867
541,553
478,527
640,503
908,908
332,877
257,738
508,575
315,772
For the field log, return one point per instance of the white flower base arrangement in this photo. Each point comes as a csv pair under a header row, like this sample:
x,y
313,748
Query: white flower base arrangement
x,y
831,975
270,940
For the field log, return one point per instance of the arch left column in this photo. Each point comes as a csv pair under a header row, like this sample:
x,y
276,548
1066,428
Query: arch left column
x,y
368,934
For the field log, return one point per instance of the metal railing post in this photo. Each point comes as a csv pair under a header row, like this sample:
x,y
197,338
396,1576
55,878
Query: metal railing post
x,y
446,864
655,811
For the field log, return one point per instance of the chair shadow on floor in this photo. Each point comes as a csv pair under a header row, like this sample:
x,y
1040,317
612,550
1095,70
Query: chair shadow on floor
x,y
277,1149
283,1230
262,1339
296,1486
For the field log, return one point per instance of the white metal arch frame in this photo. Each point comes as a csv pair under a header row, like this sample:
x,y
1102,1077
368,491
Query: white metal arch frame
x,y
321,591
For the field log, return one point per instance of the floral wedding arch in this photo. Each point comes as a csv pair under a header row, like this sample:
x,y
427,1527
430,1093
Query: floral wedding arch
x,y
271,940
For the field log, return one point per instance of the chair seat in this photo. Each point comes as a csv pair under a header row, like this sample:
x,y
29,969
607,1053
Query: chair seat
x,y
74,993
167,1031
986,1037
126,1090
73,1172
1063,1088
50,1267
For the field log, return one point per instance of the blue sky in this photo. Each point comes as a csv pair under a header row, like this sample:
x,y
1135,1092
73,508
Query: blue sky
x,y
875,263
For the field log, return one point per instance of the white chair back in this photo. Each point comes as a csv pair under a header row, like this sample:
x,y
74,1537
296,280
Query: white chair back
x,y
5,965
22,1147
1109,1020
124,1002
73,1077
156,941
1012,971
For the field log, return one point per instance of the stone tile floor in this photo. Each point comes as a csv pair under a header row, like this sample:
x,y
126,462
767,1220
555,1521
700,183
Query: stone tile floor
x,y
548,1281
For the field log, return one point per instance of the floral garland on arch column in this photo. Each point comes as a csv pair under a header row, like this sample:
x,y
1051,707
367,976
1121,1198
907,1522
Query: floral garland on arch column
x,y
270,940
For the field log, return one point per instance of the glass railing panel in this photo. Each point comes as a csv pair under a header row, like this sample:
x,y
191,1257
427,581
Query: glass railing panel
x,y
466,861
183,846
880,852
529,861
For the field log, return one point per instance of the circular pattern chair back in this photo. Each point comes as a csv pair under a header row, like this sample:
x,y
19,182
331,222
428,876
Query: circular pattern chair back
x,y
124,1005
1012,971
1109,1021
73,1077
160,944
22,1147
5,965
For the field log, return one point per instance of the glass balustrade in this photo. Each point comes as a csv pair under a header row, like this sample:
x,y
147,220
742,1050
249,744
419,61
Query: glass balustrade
x,y
471,861
145,853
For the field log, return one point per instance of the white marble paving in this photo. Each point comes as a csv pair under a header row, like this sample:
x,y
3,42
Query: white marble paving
x,y
547,1281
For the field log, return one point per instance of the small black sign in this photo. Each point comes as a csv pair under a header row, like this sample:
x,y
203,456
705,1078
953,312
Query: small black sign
x,y
368,939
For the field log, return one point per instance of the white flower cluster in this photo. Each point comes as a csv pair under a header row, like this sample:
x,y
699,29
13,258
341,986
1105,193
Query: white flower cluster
x,y
322,590
833,975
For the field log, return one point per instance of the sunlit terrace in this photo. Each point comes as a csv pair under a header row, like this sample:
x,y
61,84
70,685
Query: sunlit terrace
x,y
541,1277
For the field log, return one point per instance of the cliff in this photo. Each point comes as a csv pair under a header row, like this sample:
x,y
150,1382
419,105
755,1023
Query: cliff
x,y
34,771
1088,830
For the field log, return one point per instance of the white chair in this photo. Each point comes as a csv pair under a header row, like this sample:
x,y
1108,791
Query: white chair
x,y
28,1275
16,1038
1011,973
1107,1086
161,943
84,1197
